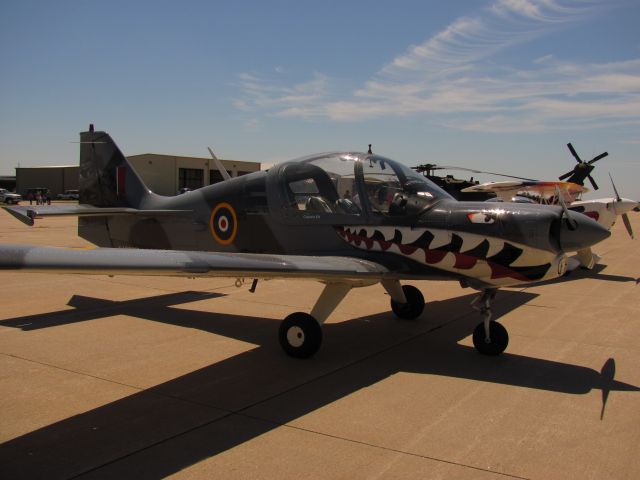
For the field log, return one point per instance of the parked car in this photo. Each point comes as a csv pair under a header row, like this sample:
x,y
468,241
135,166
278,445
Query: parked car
x,y
7,197
69,195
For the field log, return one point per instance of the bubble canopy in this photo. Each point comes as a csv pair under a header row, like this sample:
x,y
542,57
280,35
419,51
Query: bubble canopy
x,y
355,183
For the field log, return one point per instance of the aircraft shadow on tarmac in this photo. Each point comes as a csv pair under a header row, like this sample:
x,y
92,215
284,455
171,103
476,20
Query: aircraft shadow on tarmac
x,y
595,273
166,428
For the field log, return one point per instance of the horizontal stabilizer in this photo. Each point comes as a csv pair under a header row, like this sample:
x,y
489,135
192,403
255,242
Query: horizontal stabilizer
x,y
29,214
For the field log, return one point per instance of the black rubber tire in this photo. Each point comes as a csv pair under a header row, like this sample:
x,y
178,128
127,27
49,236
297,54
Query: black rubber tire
x,y
414,306
499,339
300,335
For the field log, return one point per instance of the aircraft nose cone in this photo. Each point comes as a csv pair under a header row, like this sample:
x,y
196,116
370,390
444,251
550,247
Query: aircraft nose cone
x,y
624,205
580,232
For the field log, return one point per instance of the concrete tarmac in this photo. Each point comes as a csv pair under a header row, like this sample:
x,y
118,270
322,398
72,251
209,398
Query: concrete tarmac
x,y
147,377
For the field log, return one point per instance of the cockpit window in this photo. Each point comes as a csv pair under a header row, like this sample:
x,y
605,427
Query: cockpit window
x,y
353,183
381,184
313,189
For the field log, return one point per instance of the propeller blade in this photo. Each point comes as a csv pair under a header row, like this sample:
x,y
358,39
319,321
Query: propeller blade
x,y
627,223
595,159
615,189
566,175
573,152
593,182
571,223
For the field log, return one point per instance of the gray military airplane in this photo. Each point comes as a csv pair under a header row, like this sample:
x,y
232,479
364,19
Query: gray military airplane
x,y
345,219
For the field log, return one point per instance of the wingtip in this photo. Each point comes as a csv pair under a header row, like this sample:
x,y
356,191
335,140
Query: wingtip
x,y
26,218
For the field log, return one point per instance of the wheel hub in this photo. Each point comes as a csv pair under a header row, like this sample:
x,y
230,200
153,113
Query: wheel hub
x,y
295,336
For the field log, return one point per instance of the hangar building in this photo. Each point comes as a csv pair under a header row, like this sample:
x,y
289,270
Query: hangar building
x,y
163,174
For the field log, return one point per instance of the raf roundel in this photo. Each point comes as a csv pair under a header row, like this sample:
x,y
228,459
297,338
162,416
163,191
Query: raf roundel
x,y
223,223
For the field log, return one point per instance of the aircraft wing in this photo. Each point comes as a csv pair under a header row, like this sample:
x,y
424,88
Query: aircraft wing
x,y
129,261
506,190
28,214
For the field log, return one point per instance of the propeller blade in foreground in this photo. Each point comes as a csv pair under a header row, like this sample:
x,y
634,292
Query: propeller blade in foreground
x,y
627,223
615,189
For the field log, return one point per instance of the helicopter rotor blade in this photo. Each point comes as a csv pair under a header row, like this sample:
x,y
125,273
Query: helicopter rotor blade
x,y
595,159
573,152
472,170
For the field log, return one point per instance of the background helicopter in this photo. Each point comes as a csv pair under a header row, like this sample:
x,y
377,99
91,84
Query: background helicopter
x,y
463,189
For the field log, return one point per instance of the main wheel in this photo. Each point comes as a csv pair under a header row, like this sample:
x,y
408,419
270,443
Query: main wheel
x,y
414,306
300,335
499,339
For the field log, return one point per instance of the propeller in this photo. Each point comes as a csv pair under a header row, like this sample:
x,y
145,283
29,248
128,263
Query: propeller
x,y
625,217
583,169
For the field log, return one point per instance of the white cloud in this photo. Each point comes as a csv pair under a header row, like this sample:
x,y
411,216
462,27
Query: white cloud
x,y
282,100
448,78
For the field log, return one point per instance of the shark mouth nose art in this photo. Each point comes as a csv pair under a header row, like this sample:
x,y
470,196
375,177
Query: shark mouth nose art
x,y
485,258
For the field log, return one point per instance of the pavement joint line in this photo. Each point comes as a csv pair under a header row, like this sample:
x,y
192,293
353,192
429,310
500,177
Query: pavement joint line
x,y
402,452
147,390
75,372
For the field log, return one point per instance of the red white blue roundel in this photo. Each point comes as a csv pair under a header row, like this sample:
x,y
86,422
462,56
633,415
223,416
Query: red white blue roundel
x,y
223,223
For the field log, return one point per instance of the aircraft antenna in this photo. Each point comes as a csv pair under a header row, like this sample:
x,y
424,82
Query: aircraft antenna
x,y
219,165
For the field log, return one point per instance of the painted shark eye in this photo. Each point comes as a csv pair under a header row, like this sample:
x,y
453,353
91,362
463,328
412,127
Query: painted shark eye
x,y
480,217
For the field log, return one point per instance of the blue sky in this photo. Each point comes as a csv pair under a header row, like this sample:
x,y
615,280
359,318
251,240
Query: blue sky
x,y
500,85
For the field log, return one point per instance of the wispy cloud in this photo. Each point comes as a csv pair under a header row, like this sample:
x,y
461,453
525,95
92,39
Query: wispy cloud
x,y
302,99
447,76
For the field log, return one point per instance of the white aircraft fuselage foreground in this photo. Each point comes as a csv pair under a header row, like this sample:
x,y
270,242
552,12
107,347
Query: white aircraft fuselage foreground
x,y
345,219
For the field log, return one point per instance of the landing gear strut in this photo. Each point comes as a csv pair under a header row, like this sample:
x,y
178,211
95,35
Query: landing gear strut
x,y
489,337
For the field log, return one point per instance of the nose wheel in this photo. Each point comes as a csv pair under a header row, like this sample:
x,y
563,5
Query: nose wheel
x,y
495,343
489,337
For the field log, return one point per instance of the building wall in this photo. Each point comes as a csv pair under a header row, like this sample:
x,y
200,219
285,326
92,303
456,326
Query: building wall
x,y
56,179
159,172
8,182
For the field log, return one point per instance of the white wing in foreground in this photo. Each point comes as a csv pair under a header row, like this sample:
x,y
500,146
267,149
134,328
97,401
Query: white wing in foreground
x,y
125,261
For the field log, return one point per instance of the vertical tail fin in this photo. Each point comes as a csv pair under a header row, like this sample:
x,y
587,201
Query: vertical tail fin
x,y
107,179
